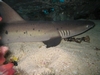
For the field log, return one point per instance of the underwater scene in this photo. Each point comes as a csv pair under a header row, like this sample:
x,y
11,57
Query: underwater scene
x,y
49,37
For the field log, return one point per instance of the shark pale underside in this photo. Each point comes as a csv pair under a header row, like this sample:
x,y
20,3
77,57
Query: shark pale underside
x,y
15,29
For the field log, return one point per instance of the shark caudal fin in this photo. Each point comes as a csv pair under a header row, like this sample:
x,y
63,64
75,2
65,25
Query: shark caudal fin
x,y
8,14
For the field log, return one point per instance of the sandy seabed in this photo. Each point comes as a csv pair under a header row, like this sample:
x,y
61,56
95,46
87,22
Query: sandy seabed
x,y
68,58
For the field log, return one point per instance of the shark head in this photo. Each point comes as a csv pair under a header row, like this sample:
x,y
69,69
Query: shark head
x,y
88,25
81,27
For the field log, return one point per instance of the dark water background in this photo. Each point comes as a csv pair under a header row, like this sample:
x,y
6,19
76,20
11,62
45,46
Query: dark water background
x,y
56,9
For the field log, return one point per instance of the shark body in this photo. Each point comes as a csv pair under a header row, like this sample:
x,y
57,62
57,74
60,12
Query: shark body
x,y
15,29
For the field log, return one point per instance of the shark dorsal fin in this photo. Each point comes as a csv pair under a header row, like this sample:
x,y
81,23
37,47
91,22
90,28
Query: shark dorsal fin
x,y
8,14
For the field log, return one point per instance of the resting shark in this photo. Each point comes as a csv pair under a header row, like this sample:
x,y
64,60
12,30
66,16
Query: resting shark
x,y
13,28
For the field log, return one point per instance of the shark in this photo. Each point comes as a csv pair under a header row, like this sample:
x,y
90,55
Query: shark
x,y
13,28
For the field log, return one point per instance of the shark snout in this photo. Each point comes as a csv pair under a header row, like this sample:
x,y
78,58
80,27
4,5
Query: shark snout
x,y
90,25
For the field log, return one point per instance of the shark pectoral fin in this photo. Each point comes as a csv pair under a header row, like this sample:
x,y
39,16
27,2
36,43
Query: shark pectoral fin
x,y
52,42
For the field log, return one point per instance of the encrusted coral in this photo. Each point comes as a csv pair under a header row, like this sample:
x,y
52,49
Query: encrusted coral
x,y
5,69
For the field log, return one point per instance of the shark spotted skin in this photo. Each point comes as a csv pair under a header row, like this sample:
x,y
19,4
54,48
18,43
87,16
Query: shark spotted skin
x,y
15,29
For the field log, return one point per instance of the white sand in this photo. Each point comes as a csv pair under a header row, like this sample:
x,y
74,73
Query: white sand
x,y
68,58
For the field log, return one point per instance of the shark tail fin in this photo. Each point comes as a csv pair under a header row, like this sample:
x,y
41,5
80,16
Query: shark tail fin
x,y
8,14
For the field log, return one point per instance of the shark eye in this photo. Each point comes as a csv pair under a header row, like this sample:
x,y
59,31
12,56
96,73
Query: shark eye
x,y
87,26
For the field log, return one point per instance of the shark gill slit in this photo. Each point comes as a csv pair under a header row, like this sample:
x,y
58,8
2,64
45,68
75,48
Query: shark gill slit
x,y
68,32
64,33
